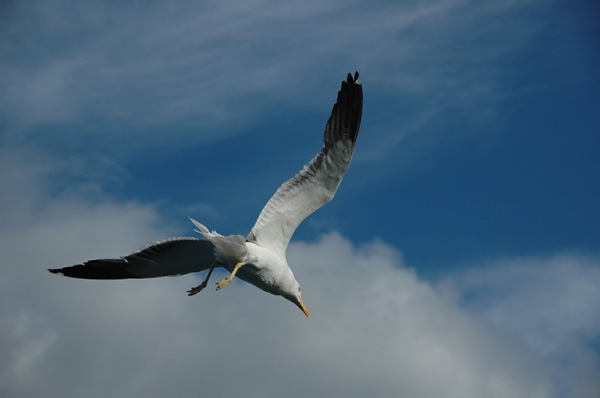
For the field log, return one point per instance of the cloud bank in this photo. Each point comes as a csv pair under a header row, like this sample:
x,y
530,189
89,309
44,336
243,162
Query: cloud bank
x,y
375,327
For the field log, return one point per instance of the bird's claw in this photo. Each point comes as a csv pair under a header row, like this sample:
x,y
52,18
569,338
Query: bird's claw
x,y
223,282
200,287
197,289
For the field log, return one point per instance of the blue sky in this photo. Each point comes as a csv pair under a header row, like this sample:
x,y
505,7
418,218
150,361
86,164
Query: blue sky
x,y
466,226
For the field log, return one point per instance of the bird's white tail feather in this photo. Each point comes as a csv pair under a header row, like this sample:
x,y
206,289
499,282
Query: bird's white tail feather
x,y
202,230
230,248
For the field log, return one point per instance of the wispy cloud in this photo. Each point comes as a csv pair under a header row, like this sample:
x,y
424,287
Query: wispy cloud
x,y
122,74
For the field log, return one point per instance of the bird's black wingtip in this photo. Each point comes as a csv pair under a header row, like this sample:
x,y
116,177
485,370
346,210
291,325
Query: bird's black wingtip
x,y
344,121
55,271
355,79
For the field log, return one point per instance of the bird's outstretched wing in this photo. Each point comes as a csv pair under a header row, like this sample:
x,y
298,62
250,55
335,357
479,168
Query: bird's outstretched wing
x,y
170,257
316,184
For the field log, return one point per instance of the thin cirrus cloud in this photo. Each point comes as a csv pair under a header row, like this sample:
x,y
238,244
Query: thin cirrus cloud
x,y
133,70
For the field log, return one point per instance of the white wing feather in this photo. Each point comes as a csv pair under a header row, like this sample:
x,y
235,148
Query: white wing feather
x,y
316,184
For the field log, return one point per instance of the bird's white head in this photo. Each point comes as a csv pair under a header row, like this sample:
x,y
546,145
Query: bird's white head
x,y
294,294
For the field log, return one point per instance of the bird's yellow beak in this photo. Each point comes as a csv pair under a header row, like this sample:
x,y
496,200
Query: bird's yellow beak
x,y
303,307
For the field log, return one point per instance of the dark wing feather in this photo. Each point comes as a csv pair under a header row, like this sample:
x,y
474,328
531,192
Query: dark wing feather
x,y
175,256
316,184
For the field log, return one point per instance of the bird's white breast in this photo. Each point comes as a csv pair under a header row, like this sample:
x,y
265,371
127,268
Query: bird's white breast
x,y
264,268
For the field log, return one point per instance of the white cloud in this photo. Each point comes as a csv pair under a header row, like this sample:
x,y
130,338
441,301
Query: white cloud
x,y
375,328
552,304
383,333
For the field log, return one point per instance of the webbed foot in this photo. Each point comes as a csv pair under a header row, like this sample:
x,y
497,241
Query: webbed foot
x,y
198,289
224,282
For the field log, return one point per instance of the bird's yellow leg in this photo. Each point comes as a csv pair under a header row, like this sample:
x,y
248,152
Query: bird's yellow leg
x,y
224,282
201,286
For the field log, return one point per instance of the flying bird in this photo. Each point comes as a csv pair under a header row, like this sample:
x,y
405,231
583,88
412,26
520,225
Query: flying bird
x,y
259,258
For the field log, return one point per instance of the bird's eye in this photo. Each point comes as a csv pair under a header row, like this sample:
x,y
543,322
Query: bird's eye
x,y
299,289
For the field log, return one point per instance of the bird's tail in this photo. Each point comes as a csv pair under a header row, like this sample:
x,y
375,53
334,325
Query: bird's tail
x,y
202,230
230,248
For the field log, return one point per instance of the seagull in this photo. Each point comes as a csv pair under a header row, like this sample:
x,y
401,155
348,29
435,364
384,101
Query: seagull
x,y
259,258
